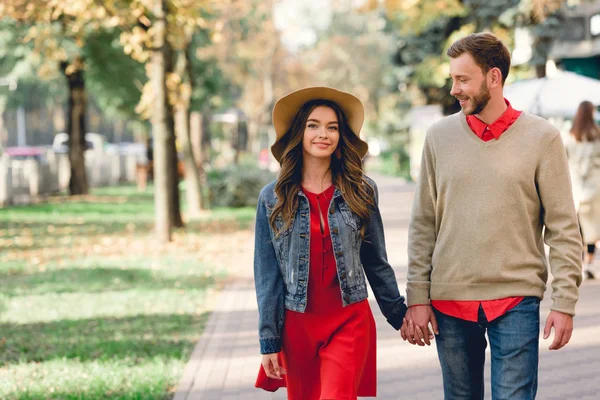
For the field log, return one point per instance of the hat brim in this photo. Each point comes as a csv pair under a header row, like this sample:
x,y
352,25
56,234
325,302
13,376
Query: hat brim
x,y
288,106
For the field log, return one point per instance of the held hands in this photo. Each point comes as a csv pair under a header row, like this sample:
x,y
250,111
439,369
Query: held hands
x,y
563,328
270,363
415,327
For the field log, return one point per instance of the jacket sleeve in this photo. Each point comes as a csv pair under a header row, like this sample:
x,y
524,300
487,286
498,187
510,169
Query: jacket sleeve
x,y
268,283
379,272
561,227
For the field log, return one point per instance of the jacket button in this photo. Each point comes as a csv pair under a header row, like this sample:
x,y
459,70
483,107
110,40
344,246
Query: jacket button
x,y
343,275
335,230
339,254
331,210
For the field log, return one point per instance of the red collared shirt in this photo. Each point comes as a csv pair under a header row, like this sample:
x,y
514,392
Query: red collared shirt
x,y
468,310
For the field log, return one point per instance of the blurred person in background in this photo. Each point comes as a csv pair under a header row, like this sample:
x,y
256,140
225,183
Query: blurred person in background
x,y
583,151
319,239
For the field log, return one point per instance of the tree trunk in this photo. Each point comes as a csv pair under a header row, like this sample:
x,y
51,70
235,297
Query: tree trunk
x,y
175,210
160,129
540,71
196,137
192,177
76,127
206,140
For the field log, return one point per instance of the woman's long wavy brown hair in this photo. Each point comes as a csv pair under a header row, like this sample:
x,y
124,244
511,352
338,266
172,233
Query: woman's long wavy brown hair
x,y
346,171
584,126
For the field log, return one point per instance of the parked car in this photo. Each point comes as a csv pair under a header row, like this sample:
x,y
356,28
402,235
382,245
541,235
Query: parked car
x,y
93,141
26,152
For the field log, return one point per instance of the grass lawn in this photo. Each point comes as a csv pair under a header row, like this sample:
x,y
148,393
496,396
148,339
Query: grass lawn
x,y
387,164
92,308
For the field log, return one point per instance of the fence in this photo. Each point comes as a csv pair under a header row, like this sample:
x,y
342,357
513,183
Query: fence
x,y
24,180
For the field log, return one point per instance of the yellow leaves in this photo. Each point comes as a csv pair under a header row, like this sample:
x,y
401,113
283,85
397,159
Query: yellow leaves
x,y
173,80
136,43
99,13
70,69
216,37
112,22
144,107
390,6
540,9
144,20
429,10
202,23
57,13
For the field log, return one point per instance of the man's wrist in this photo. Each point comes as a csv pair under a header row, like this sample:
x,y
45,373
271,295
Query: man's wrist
x,y
418,305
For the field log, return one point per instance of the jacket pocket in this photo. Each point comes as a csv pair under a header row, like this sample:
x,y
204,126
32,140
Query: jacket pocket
x,y
349,217
352,223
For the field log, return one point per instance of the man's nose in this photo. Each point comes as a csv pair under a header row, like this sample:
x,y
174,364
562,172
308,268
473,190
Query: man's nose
x,y
454,90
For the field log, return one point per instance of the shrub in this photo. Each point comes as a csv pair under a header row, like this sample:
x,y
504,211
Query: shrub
x,y
237,185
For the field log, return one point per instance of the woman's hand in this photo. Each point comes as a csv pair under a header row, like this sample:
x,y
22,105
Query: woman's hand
x,y
270,363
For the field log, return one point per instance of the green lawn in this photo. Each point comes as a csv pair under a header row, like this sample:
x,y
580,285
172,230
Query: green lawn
x,y
91,307
388,164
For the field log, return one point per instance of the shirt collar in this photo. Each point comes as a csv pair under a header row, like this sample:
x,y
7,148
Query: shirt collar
x,y
496,128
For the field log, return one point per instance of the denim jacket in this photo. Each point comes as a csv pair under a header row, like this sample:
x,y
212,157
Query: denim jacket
x,y
281,263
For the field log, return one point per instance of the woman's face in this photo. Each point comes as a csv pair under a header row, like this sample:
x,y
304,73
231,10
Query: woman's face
x,y
321,133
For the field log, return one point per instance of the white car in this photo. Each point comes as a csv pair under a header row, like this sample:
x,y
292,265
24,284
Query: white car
x,y
93,141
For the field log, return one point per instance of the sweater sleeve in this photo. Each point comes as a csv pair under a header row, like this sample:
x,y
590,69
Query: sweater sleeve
x,y
422,231
561,227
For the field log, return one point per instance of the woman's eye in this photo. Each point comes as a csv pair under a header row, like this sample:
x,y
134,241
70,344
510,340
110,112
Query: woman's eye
x,y
312,126
333,128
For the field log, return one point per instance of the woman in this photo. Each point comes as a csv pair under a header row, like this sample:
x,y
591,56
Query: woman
x,y
318,233
583,149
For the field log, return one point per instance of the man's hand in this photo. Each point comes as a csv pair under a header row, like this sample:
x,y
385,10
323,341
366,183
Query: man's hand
x,y
415,327
270,363
563,328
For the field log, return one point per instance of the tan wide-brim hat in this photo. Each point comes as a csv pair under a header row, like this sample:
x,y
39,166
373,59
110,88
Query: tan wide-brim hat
x,y
286,108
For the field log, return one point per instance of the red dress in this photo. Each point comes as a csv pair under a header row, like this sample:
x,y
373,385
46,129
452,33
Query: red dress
x,y
329,351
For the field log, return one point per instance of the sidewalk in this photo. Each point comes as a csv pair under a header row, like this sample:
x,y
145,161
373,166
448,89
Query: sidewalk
x,y
225,362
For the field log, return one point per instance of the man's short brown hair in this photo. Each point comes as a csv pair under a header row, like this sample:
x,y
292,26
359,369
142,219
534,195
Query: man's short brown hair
x,y
487,50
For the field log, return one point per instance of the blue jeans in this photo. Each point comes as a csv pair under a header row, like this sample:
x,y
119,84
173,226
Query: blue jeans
x,y
514,341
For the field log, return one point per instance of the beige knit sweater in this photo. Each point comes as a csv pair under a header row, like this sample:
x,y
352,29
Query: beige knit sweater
x,y
476,230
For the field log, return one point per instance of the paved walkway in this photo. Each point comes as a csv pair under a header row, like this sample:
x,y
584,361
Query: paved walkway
x,y
225,361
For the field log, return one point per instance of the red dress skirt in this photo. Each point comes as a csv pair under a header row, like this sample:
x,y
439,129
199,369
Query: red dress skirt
x,y
329,351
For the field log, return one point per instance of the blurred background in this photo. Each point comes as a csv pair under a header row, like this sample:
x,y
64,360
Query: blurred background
x,y
135,134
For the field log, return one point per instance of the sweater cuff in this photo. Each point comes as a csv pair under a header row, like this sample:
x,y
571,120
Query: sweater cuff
x,y
564,306
417,293
270,345
397,316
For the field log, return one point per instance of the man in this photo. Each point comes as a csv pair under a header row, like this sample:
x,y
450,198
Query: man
x,y
491,179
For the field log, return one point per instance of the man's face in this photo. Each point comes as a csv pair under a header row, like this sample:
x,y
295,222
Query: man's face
x,y
469,84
